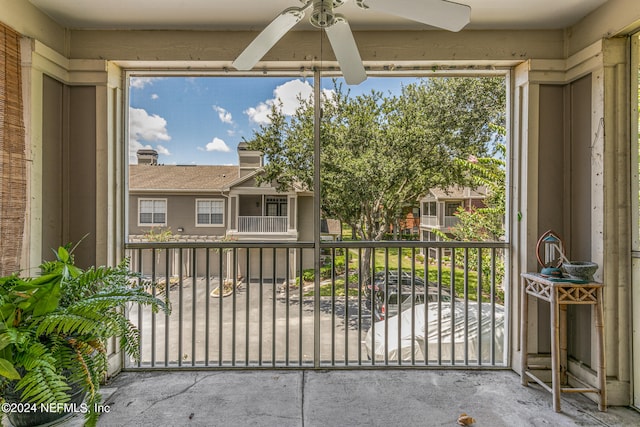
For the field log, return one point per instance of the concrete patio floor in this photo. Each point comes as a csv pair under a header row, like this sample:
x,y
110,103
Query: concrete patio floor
x,y
342,398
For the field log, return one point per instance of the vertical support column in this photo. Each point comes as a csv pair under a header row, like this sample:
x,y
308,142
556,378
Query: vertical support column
x,y
317,115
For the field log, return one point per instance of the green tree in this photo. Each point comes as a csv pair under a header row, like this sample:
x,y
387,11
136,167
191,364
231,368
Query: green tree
x,y
380,153
485,223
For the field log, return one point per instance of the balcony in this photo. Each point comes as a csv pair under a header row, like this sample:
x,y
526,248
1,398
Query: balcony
x,y
431,221
263,224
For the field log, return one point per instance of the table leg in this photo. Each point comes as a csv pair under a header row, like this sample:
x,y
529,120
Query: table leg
x,y
602,371
563,344
555,353
524,323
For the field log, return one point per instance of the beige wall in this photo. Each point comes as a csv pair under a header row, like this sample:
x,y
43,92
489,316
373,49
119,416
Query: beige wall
x,y
23,17
181,212
564,200
69,172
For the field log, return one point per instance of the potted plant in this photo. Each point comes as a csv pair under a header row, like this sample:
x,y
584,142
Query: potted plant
x,y
53,333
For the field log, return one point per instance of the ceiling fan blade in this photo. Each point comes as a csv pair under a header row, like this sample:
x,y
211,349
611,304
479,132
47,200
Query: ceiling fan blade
x,y
437,13
346,51
268,38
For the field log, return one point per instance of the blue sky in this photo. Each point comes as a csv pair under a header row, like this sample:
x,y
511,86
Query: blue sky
x,y
201,120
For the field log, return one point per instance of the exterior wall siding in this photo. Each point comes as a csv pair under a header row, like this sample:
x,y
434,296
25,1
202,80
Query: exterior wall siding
x,y
181,213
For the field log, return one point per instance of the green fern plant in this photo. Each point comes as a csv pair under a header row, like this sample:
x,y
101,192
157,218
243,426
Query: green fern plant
x,y
53,328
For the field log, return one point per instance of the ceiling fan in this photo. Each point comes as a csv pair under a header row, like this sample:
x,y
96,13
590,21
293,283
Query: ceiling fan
x,y
438,13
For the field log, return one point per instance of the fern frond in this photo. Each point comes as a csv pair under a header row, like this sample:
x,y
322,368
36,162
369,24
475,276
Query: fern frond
x,y
78,323
118,298
130,339
43,384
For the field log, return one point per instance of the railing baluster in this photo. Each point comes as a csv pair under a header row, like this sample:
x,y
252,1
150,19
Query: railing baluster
x,y
273,308
194,305
479,307
400,301
452,290
247,319
386,305
287,313
493,306
207,299
140,311
234,303
372,297
466,306
167,290
413,304
333,308
440,305
346,308
180,306
220,305
261,301
300,302
360,284
425,352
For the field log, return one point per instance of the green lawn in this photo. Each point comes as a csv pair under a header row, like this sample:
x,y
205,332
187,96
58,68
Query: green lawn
x,y
390,258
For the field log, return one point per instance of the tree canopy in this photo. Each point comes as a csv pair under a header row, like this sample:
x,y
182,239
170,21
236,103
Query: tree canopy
x,y
380,153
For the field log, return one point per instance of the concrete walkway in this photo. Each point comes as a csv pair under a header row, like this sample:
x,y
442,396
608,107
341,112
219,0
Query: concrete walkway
x,y
343,398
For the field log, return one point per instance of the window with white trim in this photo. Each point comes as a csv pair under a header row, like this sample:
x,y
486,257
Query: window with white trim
x,y
152,211
209,212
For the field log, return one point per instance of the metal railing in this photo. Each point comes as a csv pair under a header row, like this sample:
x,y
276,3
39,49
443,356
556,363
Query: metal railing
x,y
248,305
263,224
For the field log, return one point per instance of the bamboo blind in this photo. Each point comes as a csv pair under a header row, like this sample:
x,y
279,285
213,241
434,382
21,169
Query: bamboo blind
x,y
13,179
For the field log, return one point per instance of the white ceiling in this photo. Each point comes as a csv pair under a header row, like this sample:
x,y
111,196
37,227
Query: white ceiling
x,y
256,14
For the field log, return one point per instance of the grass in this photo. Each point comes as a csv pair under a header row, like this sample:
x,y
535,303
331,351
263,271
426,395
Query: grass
x,y
326,290
393,259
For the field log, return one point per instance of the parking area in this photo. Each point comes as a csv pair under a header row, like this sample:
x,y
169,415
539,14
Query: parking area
x,y
255,325
259,325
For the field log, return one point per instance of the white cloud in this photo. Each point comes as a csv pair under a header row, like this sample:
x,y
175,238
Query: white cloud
x,y
217,144
154,96
289,94
260,113
141,82
161,149
145,127
224,115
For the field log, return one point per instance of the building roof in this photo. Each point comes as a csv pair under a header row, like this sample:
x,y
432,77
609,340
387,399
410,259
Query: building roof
x,y
331,226
456,193
181,178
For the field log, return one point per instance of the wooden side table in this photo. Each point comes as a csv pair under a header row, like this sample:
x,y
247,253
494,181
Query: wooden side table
x,y
560,294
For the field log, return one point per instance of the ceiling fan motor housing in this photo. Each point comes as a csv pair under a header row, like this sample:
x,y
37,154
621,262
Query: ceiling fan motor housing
x,y
322,15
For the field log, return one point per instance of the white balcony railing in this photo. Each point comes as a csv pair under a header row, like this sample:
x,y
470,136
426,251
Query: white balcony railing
x,y
263,224
432,221
429,220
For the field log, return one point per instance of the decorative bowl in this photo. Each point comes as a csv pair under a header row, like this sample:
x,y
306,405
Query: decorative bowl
x,y
582,270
